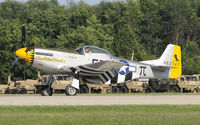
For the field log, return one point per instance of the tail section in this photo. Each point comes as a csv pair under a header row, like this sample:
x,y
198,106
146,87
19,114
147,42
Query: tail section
x,y
170,59
176,66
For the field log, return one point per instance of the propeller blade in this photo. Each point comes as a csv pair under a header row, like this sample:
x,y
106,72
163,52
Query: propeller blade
x,y
29,46
15,61
23,35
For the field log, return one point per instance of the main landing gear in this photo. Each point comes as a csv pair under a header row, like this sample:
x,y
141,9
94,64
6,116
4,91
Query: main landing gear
x,y
47,90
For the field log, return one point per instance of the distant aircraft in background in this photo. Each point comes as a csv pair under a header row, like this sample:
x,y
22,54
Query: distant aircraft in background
x,y
98,66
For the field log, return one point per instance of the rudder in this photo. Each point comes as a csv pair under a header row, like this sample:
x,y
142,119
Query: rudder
x,y
176,66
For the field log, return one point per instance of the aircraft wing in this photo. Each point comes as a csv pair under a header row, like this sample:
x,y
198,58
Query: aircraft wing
x,y
99,72
103,65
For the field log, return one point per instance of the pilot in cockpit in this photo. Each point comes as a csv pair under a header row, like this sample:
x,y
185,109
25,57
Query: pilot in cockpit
x,y
88,50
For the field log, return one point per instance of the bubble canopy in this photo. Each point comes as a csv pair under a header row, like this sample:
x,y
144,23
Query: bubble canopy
x,y
92,49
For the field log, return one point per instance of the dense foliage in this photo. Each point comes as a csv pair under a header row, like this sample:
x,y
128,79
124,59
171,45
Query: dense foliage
x,y
145,26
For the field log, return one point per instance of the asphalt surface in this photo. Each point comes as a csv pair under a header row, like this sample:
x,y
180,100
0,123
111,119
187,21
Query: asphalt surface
x,y
100,100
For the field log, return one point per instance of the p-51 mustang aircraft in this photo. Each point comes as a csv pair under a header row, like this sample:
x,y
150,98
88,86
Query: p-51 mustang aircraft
x,y
96,65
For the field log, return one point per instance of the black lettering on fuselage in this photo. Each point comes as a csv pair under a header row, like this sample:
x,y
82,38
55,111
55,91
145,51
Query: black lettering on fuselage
x,y
44,54
96,60
143,71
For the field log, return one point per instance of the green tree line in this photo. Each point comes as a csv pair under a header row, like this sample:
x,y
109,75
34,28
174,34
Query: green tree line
x,y
145,26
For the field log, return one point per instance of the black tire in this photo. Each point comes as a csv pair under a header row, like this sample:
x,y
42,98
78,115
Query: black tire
x,y
123,89
93,91
70,91
83,89
13,91
144,85
148,89
23,91
115,89
99,91
16,91
47,92
38,89
175,89
8,91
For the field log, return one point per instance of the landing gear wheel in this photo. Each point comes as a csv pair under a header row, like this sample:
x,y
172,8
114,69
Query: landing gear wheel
x,y
123,89
47,91
70,91
174,89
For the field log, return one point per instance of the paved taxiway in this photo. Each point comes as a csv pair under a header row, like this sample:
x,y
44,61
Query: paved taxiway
x,y
100,100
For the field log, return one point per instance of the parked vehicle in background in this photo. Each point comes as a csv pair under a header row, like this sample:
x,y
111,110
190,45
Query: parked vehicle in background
x,y
160,85
130,87
21,86
185,83
3,88
59,83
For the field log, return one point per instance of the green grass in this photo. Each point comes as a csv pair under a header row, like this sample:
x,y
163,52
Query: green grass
x,y
101,115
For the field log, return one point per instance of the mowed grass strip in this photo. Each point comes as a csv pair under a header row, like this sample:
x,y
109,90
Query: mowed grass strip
x,y
101,115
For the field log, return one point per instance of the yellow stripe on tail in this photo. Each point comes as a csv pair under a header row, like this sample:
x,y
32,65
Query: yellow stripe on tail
x,y
176,69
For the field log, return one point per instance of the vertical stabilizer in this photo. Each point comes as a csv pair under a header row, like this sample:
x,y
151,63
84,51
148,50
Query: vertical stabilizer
x,y
171,59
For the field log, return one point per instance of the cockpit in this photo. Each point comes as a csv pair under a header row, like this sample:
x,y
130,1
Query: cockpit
x,y
92,49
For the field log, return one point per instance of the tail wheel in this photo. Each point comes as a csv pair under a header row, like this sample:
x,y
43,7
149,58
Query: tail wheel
x,y
148,89
175,89
47,91
70,91
115,89
123,89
